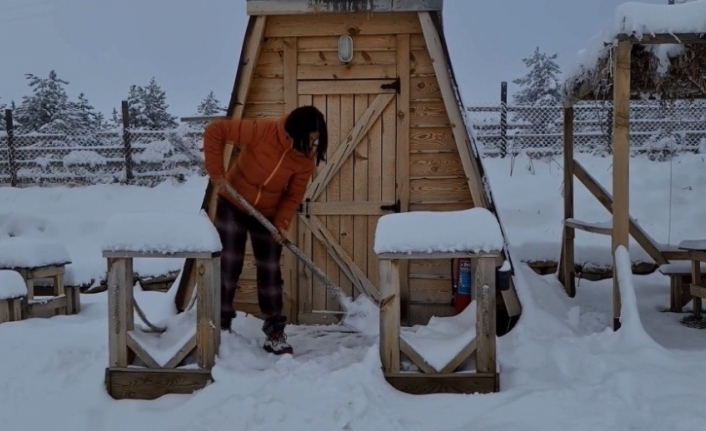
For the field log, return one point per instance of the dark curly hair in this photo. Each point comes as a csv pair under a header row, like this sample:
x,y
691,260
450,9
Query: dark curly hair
x,y
300,123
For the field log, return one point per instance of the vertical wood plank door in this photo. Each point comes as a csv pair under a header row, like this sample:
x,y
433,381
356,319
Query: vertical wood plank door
x,y
351,190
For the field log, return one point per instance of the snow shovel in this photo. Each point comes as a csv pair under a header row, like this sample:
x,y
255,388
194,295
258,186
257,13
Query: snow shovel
x,y
346,302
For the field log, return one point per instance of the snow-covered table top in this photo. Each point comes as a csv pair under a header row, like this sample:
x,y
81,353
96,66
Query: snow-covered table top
x,y
693,244
12,285
160,234
27,252
475,230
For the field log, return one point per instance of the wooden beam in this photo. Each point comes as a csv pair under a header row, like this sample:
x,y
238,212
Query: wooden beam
x,y
149,384
455,383
621,162
390,315
250,53
353,86
403,159
362,126
294,7
291,102
484,292
440,255
605,198
567,259
453,110
588,227
357,277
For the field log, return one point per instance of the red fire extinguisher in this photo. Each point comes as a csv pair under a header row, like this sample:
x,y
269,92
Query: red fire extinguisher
x,y
463,285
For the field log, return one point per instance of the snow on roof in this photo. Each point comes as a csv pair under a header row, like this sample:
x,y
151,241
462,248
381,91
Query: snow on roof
x,y
637,20
161,232
12,285
473,230
27,252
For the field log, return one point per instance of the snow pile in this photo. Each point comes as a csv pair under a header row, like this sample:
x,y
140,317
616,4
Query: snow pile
x,y
164,232
84,157
22,252
639,19
439,341
472,230
76,217
12,285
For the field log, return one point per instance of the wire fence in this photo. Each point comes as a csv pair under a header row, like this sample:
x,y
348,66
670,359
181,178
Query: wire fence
x,y
657,129
104,155
148,157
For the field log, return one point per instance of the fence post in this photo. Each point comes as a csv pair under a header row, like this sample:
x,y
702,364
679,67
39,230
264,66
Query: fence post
x,y
503,119
127,142
11,155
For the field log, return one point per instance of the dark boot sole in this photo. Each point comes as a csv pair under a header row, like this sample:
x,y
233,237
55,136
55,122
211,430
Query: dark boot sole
x,y
279,352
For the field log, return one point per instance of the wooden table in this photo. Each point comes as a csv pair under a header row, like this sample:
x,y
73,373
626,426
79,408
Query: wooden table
x,y
697,253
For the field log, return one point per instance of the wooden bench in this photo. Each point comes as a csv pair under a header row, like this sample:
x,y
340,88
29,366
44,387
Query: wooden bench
x,y
680,280
176,359
12,293
38,259
463,361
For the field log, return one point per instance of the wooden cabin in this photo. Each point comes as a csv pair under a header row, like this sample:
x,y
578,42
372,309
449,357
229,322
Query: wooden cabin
x,y
381,73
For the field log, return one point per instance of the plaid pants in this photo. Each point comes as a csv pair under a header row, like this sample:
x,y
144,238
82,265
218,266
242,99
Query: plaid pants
x,y
233,227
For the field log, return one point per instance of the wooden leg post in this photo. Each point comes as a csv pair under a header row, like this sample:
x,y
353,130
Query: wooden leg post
x,y
117,312
208,332
390,315
485,316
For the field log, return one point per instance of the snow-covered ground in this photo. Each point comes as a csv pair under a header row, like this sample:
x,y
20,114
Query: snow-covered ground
x,y
528,193
561,367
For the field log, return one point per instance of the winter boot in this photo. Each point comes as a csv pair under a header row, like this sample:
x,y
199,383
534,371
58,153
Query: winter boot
x,y
276,341
226,320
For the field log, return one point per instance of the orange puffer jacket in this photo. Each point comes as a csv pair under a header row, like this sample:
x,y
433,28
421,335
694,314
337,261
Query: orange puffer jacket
x,y
270,174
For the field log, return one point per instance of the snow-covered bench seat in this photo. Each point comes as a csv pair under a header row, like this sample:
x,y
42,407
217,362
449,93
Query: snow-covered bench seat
x,y
13,290
129,236
440,349
37,259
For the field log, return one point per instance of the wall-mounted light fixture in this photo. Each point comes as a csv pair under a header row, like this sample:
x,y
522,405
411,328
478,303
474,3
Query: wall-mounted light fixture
x,y
345,48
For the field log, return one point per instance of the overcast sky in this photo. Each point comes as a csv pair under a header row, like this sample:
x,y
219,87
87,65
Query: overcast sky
x,y
191,46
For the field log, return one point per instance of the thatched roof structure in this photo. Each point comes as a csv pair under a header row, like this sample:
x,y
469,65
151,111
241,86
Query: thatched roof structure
x,y
668,59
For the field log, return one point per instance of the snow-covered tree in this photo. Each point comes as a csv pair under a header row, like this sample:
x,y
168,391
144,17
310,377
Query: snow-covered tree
x,y
541,85
77,117
210,106
147,107
46,103
156,107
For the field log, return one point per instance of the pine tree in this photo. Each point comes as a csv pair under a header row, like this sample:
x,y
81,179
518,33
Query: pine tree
x,y
210,106
78,117
541,85
38,111
147,107
115,119
156,107
136,107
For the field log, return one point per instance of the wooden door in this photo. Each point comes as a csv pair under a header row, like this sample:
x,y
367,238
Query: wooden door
x,y
351,190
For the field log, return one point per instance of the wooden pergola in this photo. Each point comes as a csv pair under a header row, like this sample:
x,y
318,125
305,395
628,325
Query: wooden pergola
x,y
628,71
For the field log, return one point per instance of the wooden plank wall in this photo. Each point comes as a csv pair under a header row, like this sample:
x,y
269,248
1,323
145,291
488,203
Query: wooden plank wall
x,y
436,180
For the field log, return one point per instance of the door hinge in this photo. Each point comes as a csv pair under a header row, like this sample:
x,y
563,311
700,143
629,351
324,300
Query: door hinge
x,y
394,207
304,208
394,85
